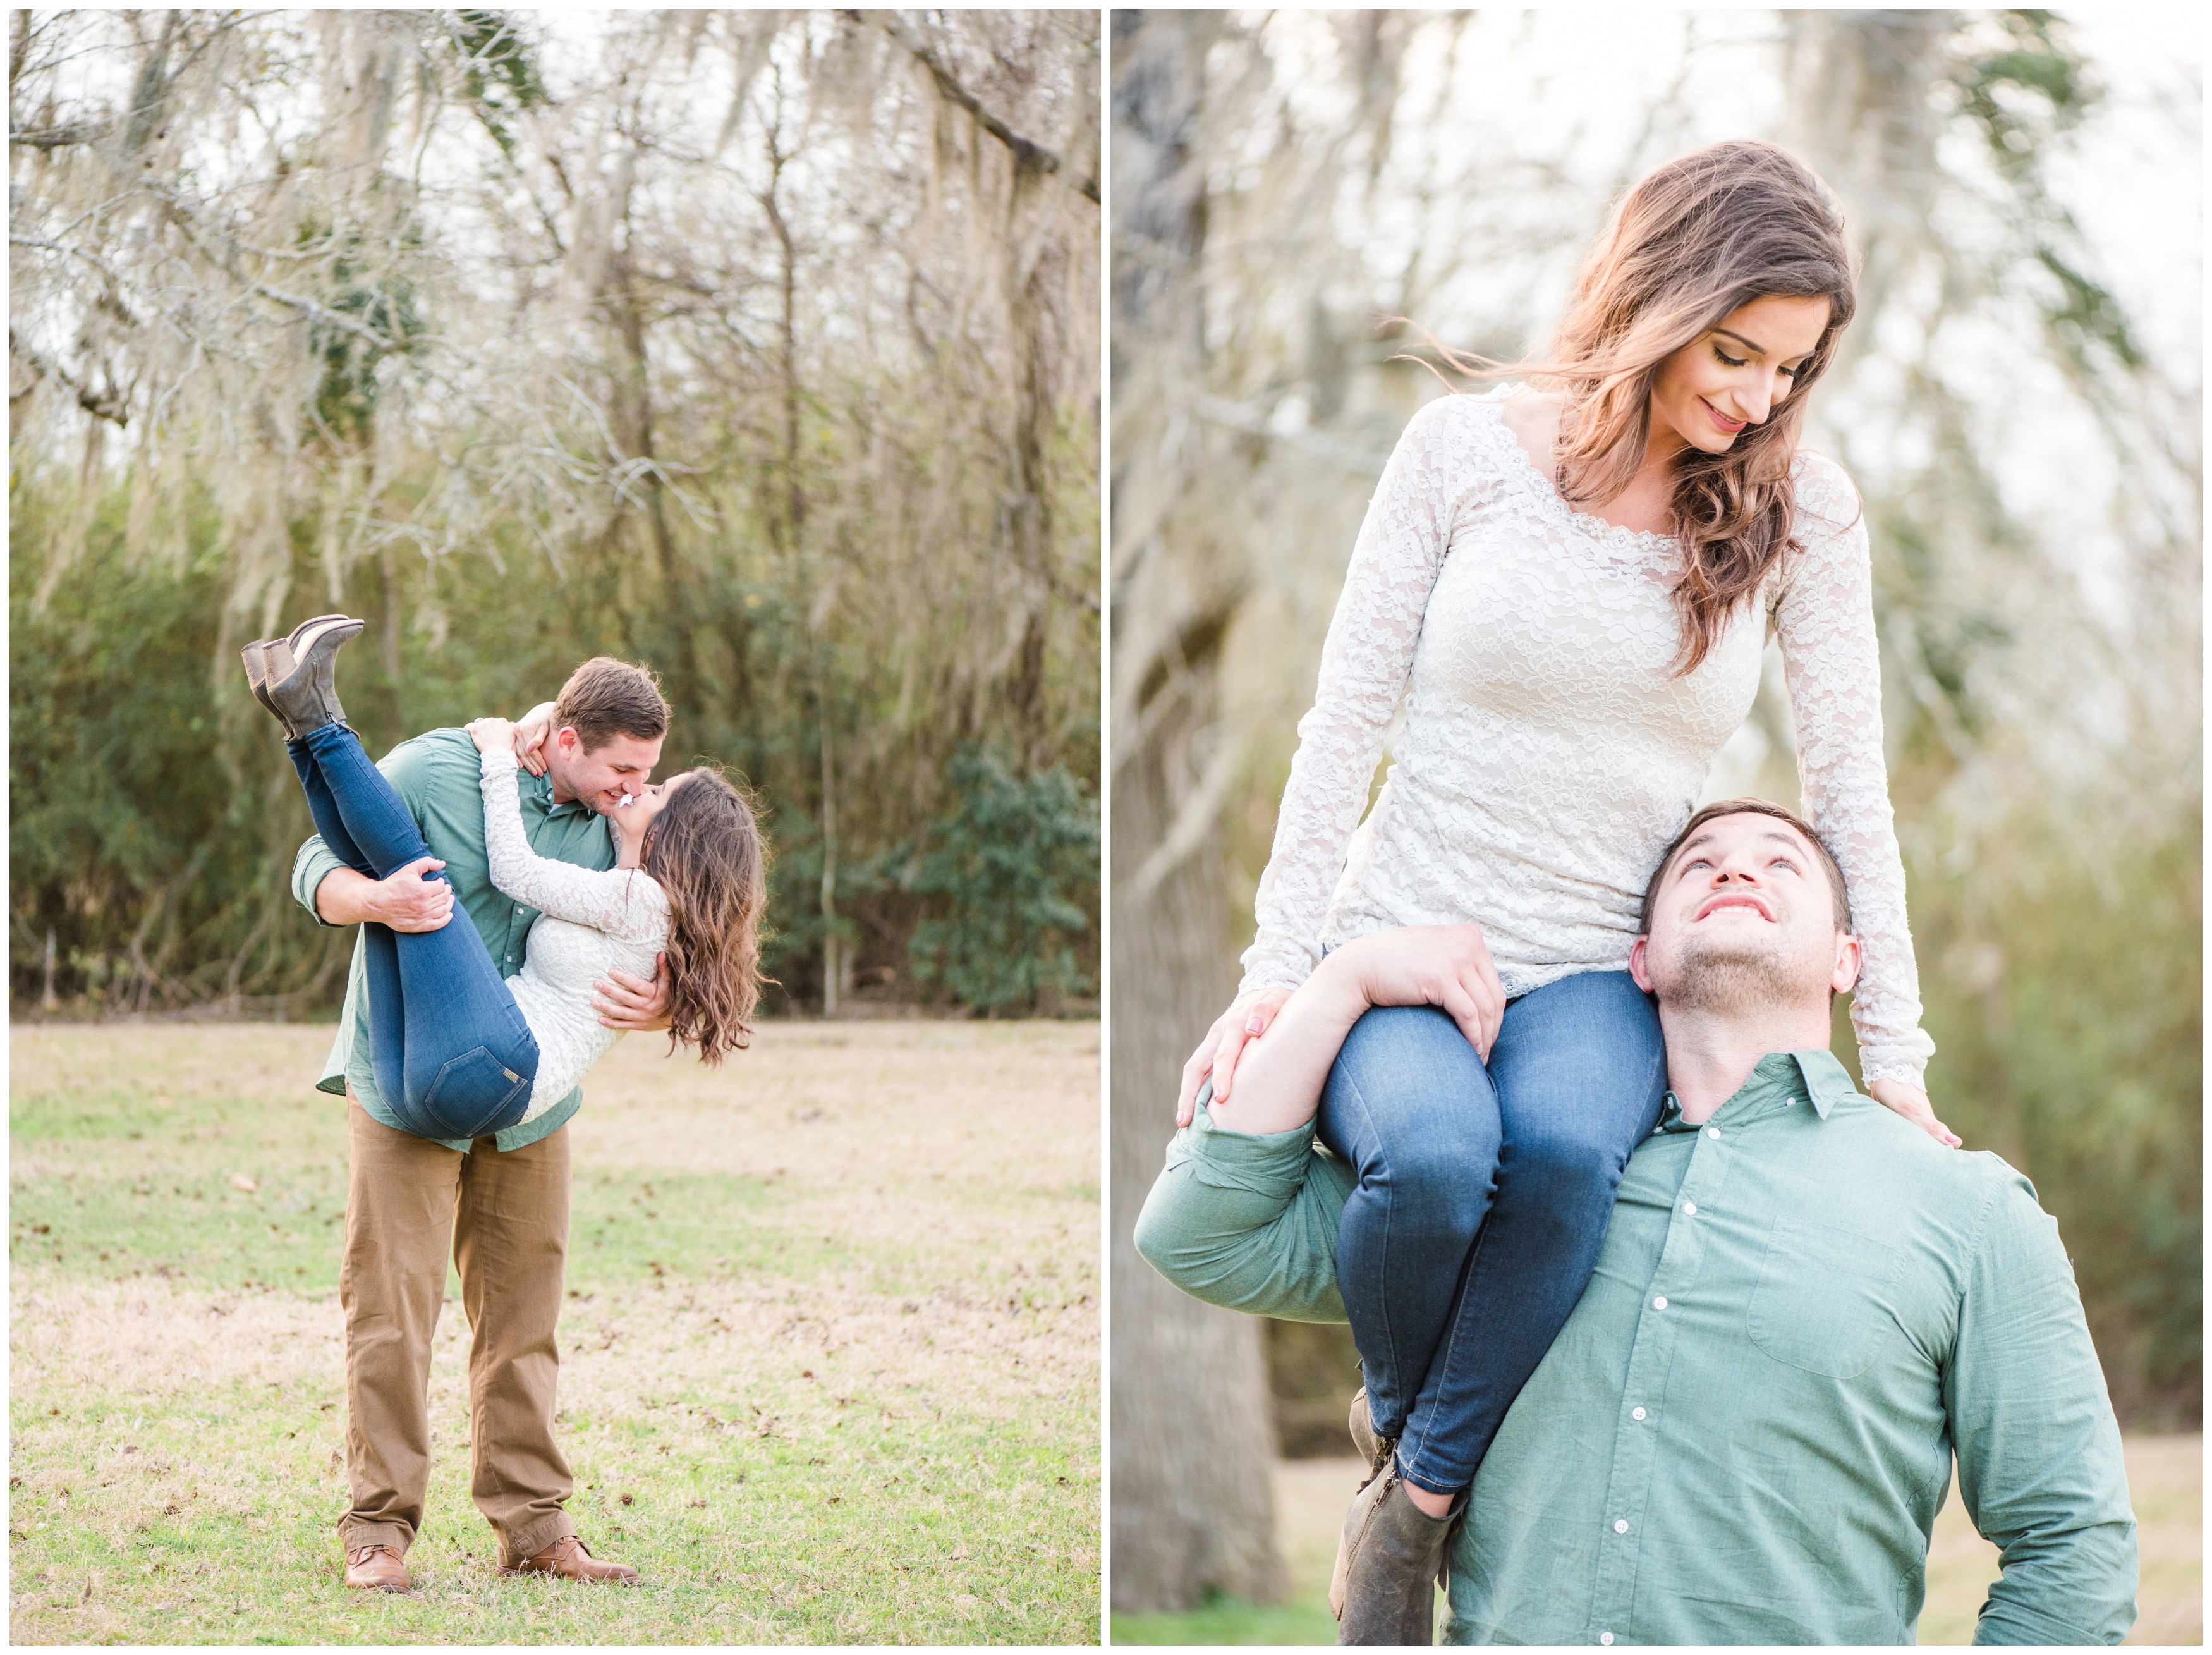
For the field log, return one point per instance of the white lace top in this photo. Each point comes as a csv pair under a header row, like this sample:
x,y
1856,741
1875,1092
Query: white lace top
x,y
1547,757
589,920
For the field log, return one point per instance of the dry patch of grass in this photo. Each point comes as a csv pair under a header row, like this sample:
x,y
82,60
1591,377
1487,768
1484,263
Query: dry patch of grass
x,y
829,1359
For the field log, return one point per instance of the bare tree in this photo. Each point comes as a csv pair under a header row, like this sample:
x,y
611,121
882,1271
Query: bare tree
x,y
1191,1389
763,344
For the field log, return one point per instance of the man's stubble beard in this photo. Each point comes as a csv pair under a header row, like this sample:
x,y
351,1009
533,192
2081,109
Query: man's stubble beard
x,y
1730,976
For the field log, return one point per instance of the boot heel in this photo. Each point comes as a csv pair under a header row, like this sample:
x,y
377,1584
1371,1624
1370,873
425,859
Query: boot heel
x,y
260,667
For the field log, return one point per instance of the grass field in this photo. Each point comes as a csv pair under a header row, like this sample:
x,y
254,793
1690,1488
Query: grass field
x,y
829,1363
2165,1480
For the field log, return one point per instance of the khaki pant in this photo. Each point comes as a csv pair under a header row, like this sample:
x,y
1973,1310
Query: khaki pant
x,y
505,1218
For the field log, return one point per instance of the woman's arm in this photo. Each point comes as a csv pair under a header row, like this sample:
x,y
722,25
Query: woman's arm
x,y
622,902
1279,1084
1825,618
1448,452
1448,456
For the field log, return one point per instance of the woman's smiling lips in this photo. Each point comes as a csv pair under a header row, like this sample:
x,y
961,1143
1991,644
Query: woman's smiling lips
x,y
1731,426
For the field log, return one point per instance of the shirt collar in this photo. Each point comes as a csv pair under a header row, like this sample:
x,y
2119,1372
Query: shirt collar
x,y
1781,1078
540,787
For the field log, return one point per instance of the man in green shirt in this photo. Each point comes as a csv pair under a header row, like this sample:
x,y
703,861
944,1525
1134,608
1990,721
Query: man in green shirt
x,y
499,1205
1804,1306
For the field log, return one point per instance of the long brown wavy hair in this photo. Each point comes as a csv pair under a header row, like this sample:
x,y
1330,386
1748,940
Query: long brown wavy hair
x,y
1696,238
707,851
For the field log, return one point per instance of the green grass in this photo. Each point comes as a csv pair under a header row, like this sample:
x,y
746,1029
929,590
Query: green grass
x,y
1305,1620
804,1418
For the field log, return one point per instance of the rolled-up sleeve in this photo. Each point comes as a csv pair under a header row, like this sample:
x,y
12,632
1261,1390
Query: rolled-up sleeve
x,y
310,866
406,767
1247,1222
2040,1468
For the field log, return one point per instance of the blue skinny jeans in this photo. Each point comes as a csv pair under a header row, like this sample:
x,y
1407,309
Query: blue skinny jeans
x,y
452,1054
1483,1193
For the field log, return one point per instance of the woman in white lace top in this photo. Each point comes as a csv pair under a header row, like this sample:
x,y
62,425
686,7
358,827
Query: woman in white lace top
x,y
458,1051
1570,589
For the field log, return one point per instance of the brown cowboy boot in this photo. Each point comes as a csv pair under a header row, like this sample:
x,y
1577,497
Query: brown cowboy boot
x,y
1385,1589
268,659
375,1569
301,690
1372,1449
570,1559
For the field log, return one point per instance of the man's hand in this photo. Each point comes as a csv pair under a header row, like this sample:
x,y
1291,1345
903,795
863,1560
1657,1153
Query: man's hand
x,y
406,900
623,1002
1247,1018
532,731
1913,1103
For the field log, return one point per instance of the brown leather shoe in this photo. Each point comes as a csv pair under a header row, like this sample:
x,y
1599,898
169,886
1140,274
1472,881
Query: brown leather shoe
x,y
570,1559
376,1568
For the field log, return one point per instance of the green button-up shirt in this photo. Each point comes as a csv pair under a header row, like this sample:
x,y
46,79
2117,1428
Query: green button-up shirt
x,y
438,776
1802,1309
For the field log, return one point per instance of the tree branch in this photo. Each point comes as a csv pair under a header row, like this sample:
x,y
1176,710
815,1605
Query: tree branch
x,y
1026,152
111,407
61,137
186,222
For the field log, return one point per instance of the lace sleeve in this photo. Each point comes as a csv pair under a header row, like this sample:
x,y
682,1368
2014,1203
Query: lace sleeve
x,y
621,901
1444,457
1825,618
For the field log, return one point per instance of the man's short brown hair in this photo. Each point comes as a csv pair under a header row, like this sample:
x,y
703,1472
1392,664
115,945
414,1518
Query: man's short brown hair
x,y
605,698
1748,807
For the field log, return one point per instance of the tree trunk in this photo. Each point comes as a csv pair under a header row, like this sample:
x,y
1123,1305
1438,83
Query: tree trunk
x,y
1194,1436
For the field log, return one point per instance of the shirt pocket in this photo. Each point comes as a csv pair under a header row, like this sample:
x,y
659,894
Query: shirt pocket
x,y
1826,1298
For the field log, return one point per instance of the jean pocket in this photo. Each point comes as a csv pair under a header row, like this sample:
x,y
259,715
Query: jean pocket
x,y
474,1087
1826,1300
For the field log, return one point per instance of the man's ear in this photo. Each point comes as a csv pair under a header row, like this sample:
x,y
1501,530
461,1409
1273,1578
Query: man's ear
x,y
568,741
1639,969
1845,976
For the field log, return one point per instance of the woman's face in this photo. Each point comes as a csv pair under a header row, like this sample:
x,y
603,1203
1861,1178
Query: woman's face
x,y
631,820
1731,376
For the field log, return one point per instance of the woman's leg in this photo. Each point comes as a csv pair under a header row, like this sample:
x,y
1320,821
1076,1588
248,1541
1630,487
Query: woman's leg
x,y
323,806
1580,1071
1411,1109
453,1056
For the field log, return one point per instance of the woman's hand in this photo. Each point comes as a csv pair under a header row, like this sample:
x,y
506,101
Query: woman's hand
x,y
1247,1018
491,735
1443,965
532,731
1913,1103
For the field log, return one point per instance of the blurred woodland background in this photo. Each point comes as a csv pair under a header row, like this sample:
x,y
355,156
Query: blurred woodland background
x,y
2019,401
759,347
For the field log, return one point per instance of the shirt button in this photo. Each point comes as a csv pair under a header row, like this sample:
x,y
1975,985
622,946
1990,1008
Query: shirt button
x,y
1690,1207
1713,1132
1605,1638
1620,1526
1660,1303
1636,1414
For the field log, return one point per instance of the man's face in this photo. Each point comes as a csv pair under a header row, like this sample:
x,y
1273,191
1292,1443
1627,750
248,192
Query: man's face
x,y
1745,919
598,779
